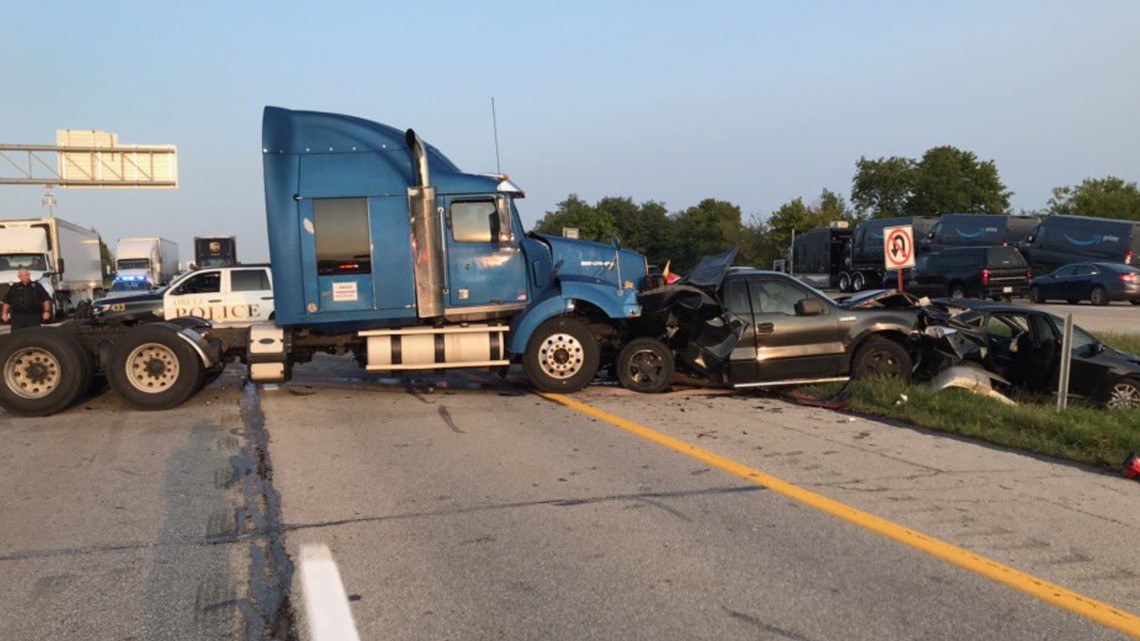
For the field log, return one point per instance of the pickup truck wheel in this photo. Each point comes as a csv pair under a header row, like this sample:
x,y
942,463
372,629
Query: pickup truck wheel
x,y
879,356
957,291
1098,296
153,369
645,365
45,370
561,356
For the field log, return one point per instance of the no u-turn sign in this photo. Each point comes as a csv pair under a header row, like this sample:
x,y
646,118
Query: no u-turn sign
x,y
898,247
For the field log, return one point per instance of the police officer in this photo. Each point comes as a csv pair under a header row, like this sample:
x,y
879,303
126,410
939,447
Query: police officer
x,y
26,304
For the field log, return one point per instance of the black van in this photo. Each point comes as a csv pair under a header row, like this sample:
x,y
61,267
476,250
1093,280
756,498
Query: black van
x,y
1060,240
966,272
977,230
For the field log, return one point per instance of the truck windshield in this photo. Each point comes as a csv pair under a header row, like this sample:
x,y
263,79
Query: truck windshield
x,y
133,263
33,262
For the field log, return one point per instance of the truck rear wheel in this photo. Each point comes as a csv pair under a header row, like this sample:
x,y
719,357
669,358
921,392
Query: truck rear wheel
x,y
844,282
645,365
45,370
858,282
561,356
153,369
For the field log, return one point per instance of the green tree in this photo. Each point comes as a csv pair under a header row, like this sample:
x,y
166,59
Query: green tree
x,y
949,180
1108,197
882,187
710,227
575,212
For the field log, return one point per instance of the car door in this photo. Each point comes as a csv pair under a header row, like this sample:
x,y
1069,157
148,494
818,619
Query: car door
x,y
1090,376
789,344
196,295
742,361
1081,283
1052,285
250,295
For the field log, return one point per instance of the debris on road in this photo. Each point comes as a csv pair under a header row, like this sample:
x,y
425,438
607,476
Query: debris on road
x,y
1132,467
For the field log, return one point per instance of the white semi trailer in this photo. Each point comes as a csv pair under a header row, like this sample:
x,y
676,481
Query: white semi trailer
x,y
142,264
62,256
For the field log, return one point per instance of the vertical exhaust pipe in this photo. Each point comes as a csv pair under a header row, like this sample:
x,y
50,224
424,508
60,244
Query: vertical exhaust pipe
x,y
426,234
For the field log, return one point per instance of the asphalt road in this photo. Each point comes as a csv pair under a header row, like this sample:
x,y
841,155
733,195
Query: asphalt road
x,y
462,509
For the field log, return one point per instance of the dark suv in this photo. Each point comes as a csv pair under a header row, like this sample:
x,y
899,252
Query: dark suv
x,y
967,272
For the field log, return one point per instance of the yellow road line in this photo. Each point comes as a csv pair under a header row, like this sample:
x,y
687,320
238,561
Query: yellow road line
x,y
1098,611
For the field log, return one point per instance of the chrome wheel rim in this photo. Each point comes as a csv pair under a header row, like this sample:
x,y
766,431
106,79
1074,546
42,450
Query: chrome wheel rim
x,y
1124,396
645,367
152,368
561,356
32,373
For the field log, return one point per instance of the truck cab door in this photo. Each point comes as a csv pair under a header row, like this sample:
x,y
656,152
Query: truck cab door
x,y
485,264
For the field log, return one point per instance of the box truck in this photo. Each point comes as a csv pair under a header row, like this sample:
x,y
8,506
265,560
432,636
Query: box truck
x,y
142,264
62,256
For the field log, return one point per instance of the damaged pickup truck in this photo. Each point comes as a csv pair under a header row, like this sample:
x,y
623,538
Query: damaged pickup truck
x,y
741,327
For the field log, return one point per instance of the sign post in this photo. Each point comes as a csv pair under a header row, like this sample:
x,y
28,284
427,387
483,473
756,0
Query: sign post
x,y
898,250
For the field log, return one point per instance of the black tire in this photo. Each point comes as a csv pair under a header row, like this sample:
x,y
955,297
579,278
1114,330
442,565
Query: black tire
x,y
957,290
844,282
152,368
1135,302
645,365
858,282
561,356
879,356
1098,296
42,356
1035,296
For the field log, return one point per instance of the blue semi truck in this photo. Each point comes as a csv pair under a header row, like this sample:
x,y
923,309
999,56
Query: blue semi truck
x,y
380,247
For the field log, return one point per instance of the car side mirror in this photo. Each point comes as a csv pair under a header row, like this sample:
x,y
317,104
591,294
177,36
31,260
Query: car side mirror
x,y
809,307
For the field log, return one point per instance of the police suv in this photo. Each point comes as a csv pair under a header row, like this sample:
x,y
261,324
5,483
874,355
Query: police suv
x,y
227,296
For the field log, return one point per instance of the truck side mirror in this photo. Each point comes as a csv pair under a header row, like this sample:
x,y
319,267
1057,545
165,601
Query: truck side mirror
x,y
809,307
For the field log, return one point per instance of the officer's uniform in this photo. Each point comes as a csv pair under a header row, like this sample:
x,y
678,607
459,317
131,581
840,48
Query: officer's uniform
x,y
26,304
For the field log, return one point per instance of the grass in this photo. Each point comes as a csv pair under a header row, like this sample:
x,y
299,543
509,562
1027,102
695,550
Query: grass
x,y
1080,433
1124,341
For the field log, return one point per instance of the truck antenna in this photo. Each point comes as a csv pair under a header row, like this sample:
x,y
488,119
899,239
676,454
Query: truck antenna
x,y
495,125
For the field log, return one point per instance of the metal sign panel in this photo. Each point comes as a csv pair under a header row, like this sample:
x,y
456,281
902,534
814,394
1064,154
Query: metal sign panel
x,y
91,158
898,247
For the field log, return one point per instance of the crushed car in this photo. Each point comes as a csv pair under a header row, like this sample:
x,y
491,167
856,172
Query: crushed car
x,y
742,327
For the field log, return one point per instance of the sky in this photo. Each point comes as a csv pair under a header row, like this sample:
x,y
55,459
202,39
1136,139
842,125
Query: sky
x,y
752,102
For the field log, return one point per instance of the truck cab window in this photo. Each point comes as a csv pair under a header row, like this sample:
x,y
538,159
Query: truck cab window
x,y
475,221
204,283
249,280
343,242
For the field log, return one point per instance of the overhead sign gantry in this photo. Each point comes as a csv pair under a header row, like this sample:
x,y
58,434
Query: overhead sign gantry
x,y
89,158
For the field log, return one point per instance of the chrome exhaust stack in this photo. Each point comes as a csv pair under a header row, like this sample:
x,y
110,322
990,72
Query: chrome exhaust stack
x,y
427,234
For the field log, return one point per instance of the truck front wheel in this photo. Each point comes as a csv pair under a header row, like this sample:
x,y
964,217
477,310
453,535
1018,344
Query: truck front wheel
x,y
45,370
153,369
561,356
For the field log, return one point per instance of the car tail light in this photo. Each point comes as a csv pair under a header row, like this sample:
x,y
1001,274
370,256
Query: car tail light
x,y
1129,277
985,276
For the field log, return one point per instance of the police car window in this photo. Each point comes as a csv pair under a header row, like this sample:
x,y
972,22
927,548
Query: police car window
x,y
474,221
775,297
204,283
248,280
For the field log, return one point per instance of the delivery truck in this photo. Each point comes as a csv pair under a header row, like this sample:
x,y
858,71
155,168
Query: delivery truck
x,y
62,256
818,254
215,251
380,247
143,264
